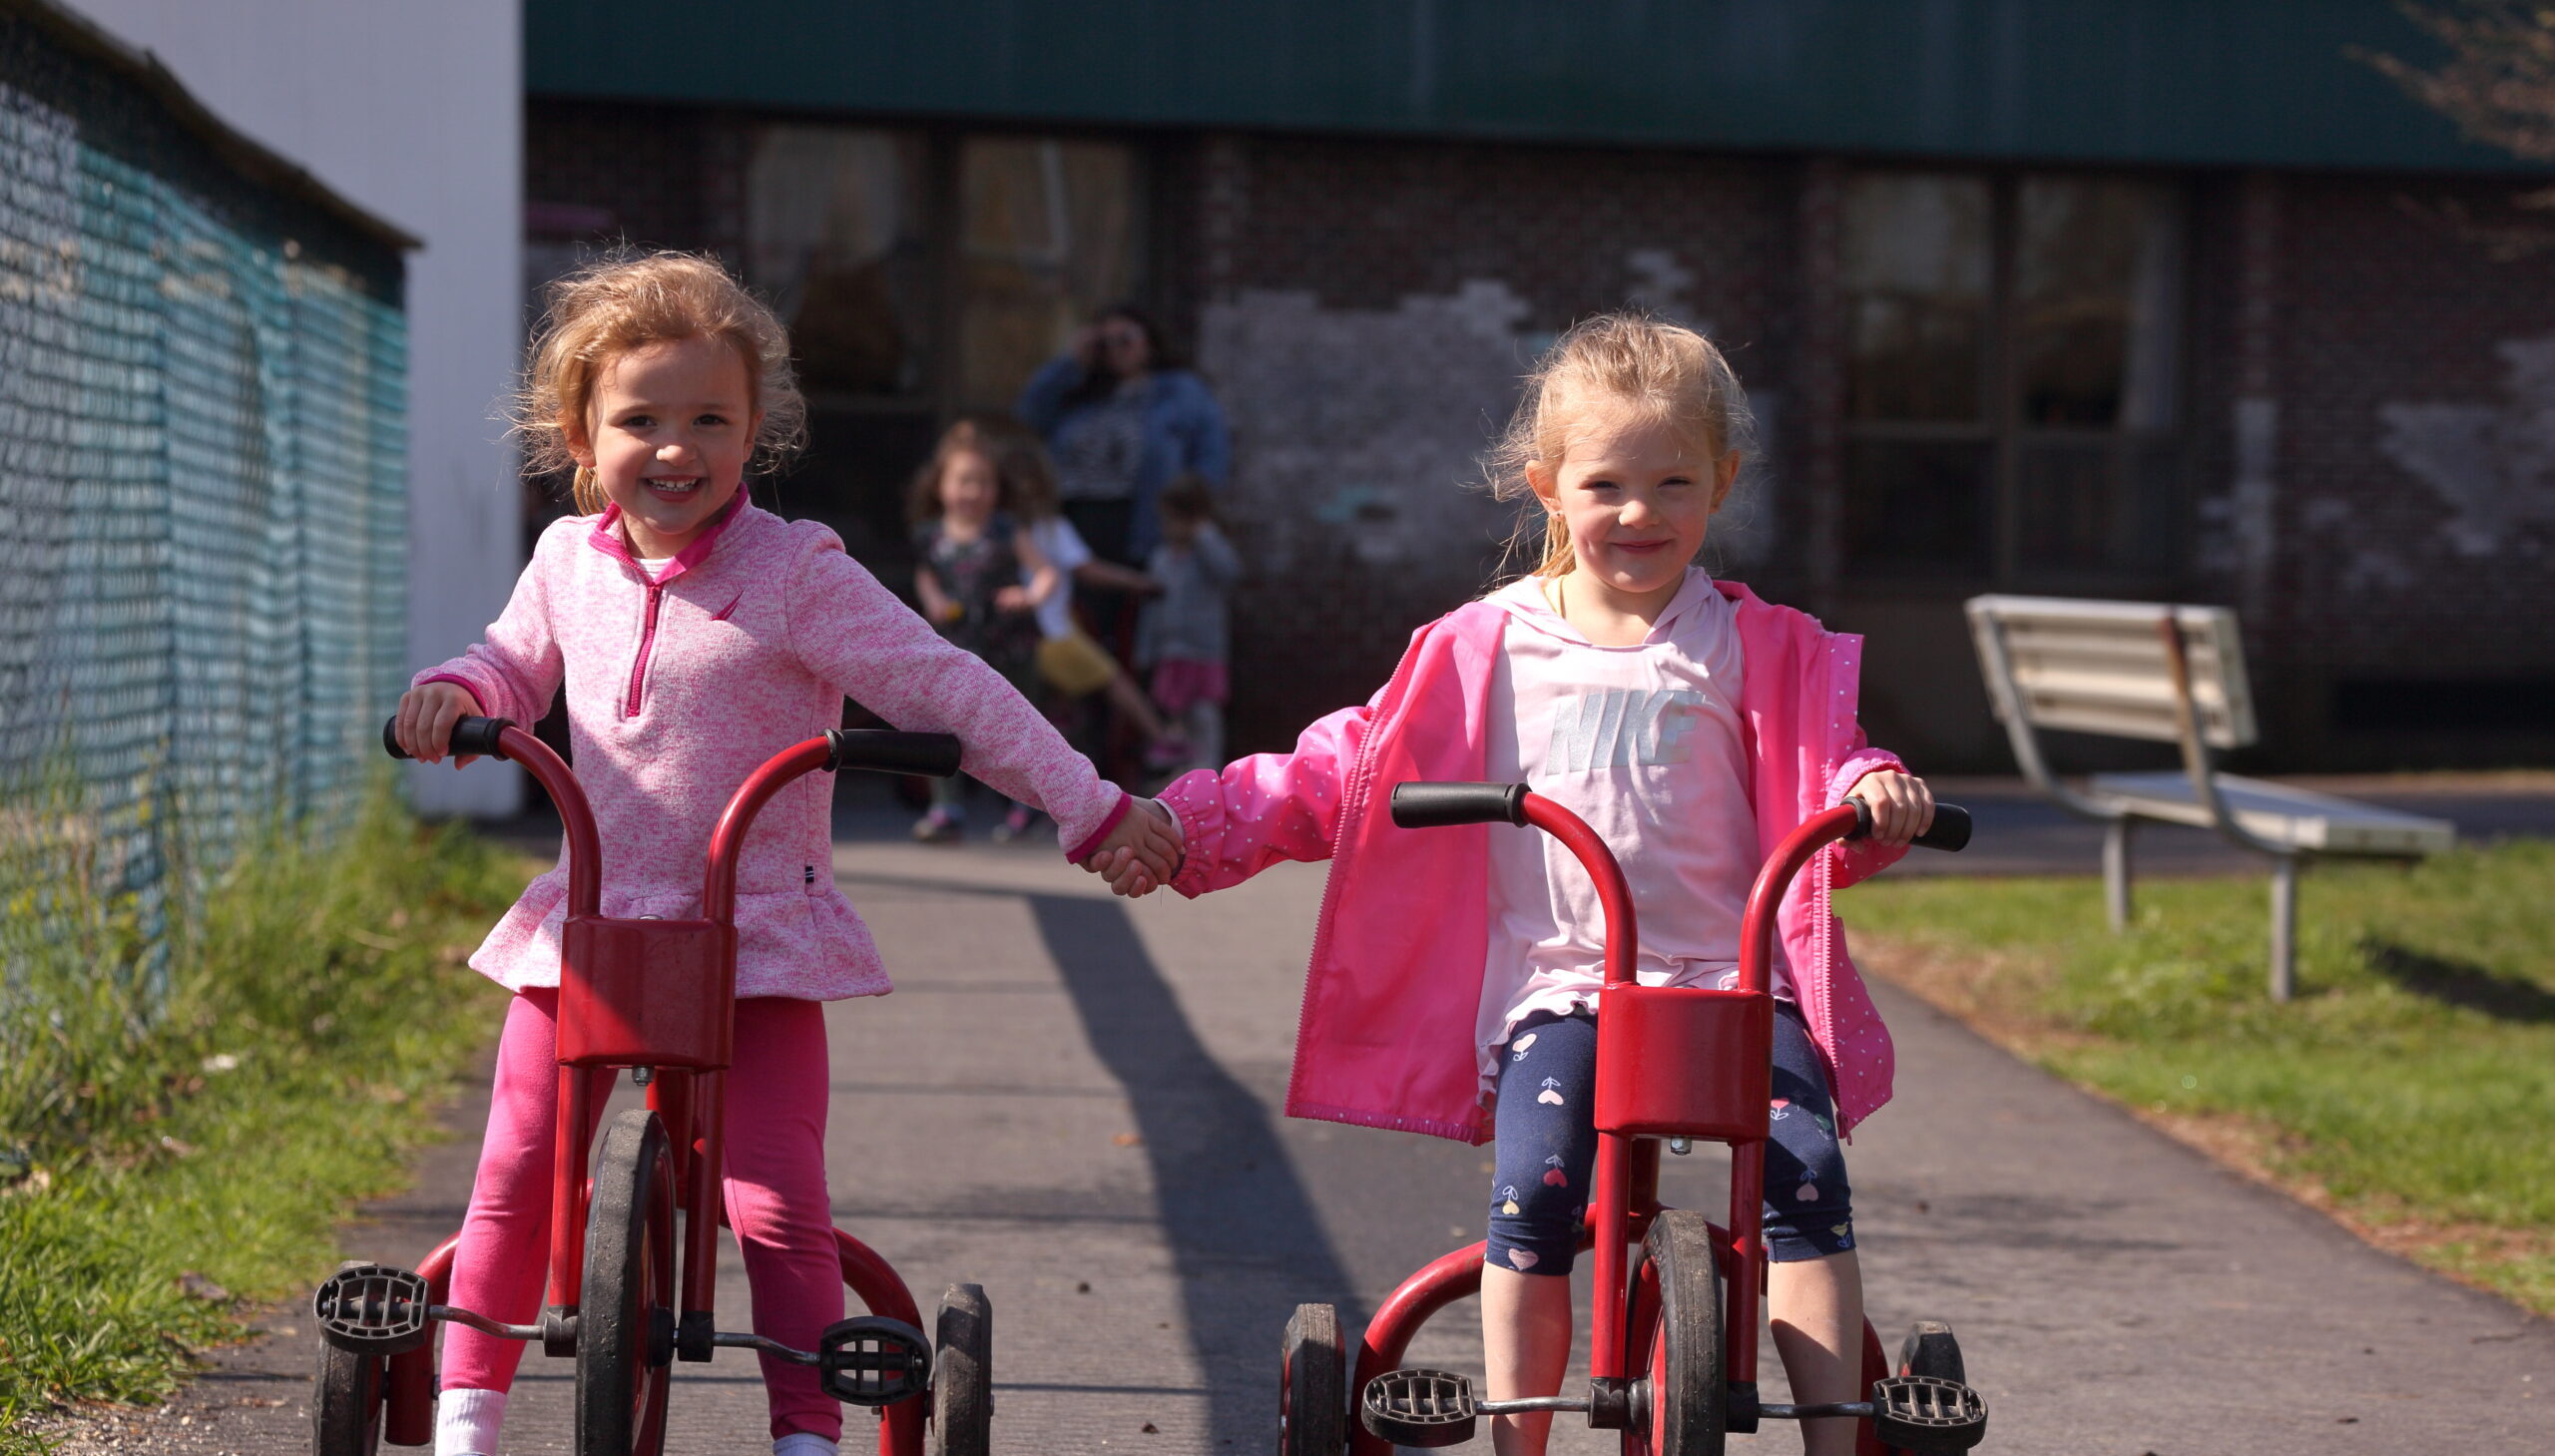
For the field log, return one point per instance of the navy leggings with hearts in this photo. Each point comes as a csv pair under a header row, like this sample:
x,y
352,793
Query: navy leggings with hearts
x,y
1547,1147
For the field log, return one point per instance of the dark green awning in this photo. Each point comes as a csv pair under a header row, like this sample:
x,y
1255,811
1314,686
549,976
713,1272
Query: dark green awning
x,y
2141,82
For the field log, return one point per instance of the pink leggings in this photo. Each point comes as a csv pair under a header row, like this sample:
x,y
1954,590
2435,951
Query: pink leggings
x,y
776,1185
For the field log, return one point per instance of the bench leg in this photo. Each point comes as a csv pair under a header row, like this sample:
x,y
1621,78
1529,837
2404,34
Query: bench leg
x,y
2284,927
2116,872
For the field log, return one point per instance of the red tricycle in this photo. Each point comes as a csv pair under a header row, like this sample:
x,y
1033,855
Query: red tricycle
x,y
1673,1342
634,1294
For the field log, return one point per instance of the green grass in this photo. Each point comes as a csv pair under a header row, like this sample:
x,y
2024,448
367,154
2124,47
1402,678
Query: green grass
x,y
2409,1088
318,1008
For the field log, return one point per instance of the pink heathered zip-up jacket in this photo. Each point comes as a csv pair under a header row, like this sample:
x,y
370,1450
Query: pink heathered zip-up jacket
x,y
1386,1036
678,687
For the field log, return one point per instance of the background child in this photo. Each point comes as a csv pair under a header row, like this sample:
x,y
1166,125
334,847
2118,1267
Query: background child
x,y
980,579
1183,633
1455,979
1069,660
695,636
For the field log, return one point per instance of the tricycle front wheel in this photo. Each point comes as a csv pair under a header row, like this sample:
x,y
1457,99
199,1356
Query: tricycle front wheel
x,y
1681,1393
962,1373
345,1403
625,1317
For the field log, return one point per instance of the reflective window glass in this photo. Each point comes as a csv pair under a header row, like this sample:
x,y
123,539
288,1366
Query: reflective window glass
x,y
1048,237
2096,297
1916,274
837,238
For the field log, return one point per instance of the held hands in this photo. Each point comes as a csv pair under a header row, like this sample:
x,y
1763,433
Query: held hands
x,y
1141,854
426,717
1902,807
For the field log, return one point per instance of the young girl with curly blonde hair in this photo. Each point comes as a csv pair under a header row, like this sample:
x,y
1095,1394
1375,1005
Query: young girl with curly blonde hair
x,y
694,636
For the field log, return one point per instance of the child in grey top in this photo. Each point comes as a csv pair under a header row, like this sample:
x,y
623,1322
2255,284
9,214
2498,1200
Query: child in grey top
x,y
1182,636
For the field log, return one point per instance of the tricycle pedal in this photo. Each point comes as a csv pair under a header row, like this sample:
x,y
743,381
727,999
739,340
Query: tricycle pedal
x,y
373,1310
1927,1415
1418,1408
872,1360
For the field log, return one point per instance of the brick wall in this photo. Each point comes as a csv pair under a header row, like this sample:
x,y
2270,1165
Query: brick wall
x,y
1369,311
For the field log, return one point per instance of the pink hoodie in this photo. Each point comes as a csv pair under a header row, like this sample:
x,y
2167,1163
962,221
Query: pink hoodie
x,y
1386,1038
678,687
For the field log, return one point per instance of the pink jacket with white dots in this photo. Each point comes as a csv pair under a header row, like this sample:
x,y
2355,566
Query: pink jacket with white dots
x,y
1386,1038
678,687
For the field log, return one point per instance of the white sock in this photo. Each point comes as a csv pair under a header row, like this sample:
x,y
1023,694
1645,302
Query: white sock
x,y
802,1443
466,1422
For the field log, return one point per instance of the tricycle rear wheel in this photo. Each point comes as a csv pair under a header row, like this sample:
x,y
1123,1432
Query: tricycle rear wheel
x,y
1312,1376
625,1315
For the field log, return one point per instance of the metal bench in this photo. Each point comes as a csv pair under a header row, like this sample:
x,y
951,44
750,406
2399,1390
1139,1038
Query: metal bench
x,y
2174,674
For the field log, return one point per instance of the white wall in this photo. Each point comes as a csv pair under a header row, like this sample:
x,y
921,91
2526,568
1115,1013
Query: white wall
x,y
414,112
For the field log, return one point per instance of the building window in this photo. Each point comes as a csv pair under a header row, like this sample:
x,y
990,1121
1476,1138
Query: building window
x,y
925,275
2012,348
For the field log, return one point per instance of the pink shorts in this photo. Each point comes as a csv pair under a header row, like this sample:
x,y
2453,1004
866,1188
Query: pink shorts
x,y
1180,682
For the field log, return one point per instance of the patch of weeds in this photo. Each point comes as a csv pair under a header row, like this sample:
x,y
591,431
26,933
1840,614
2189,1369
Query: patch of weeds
x,y
176,1147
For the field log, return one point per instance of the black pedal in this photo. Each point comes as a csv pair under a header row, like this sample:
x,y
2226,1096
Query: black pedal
x,y
873,1360
1927,1416
373,1310
1419,1408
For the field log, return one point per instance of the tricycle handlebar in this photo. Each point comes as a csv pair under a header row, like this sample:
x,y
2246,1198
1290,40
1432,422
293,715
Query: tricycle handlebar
x,y
1419,806
469,736
881,751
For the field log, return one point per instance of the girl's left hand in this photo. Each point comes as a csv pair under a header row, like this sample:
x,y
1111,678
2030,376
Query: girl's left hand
x,y
1142,854
1014,599
1902,807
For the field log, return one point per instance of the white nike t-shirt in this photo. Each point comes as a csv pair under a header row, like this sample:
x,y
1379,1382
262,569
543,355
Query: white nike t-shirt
x,y
1643,743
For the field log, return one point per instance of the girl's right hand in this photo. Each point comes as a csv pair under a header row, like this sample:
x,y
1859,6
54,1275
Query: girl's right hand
x,y
427,716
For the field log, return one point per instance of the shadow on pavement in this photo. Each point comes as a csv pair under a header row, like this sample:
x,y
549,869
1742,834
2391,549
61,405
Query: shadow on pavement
x,y
1243,1232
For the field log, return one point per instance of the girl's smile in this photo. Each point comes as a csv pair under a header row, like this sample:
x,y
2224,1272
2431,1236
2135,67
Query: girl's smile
x,y
671,427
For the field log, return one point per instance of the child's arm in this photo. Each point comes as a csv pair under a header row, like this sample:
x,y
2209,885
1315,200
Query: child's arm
x,y
1042,582
1218,562
1099,573
514,671
936,606
1267,807
855,634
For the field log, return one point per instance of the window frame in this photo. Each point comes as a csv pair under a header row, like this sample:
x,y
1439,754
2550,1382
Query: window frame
x,y
2005,433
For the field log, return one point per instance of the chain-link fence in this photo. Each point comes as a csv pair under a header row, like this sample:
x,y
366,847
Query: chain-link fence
x,y
202,488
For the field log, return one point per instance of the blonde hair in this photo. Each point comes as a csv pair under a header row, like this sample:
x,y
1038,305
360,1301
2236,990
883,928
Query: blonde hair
x,y
626,300
1607,367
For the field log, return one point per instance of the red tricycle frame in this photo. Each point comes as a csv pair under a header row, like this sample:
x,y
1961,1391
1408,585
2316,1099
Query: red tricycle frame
x,y
659,995
1672,1061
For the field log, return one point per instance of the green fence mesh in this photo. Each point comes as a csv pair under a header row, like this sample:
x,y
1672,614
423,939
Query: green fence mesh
x,y
202,509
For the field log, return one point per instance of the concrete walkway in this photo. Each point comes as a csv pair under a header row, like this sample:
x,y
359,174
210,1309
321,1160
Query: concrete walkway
x,y
1072,1101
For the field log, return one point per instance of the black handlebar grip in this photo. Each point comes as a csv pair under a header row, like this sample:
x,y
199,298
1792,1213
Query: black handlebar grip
x,y
882,751
1419,806
469,736
1949,832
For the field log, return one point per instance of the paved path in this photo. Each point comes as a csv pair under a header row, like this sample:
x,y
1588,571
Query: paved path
x,y
1072,1100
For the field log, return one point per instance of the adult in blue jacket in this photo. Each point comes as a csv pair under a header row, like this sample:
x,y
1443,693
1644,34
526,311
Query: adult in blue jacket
x,y
1122,423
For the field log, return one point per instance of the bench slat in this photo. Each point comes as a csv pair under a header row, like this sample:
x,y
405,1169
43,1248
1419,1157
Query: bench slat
x,y
2101,667
2299,817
